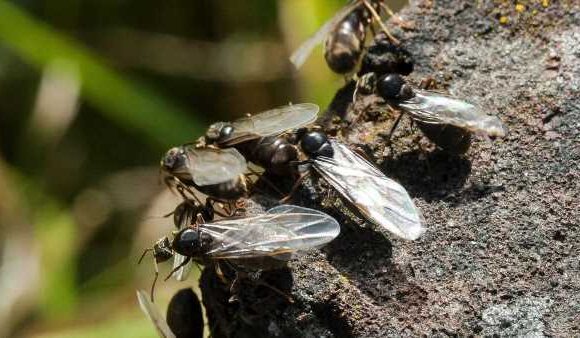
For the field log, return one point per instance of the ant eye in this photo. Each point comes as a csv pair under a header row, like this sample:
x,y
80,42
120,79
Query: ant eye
x,y
226,132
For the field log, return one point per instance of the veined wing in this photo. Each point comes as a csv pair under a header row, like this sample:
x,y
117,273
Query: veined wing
x,y
209,166
381,200
301,54
153,314
436,108
281,230
273,122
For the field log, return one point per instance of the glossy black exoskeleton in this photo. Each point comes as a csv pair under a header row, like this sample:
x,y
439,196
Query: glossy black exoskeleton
x,y
393,89
184,314
384,57
249,240
344,36
281,142
187,215
189,212
344,45
274,153
315,143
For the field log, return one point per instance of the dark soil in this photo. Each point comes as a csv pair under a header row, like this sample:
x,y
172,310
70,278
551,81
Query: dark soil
x,y
501,255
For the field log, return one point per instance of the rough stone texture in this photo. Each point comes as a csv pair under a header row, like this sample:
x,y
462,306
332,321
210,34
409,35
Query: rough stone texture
x,y
501,254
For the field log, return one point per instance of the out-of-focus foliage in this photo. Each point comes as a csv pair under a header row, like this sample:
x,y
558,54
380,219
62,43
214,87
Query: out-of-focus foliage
x,y
127,103
91,94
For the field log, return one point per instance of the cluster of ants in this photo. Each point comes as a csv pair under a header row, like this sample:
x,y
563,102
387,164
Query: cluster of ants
x,y
283,142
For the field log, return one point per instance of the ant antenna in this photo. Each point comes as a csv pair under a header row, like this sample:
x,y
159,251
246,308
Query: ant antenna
x,y
378,19
143,255
152,291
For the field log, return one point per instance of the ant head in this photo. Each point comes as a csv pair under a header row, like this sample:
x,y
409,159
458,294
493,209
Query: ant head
x,y
173,159
393,87
315,143
162,252
219,132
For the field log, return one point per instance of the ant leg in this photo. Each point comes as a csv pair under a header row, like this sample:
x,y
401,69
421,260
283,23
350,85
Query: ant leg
x,y
182,188
362,153
239,206
256,280
301,178
143,255
177,268
267,181
220,273
397,19
360,112
169,214
235,286
428,83
378,19
283,294
231,208
220,214
152,292
355,91
393,128
224,204
373,32
272,185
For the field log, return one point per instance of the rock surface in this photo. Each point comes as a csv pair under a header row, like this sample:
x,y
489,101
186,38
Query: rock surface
x,y
501,255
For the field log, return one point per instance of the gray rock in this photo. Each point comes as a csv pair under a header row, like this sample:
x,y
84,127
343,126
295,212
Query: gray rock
x,y
501,254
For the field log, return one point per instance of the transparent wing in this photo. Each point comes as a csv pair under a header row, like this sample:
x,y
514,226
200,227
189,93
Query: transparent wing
x,y
381,200
281,230
275,121
301,54
209,166
183,272
183,216
436,108
153,314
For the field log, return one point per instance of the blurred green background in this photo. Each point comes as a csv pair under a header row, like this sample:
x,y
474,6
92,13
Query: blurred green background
x,y
92,92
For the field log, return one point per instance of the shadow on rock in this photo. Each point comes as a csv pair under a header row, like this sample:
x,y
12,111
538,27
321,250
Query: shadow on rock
x,y
247,311
363,256
472,193
338,107
431,176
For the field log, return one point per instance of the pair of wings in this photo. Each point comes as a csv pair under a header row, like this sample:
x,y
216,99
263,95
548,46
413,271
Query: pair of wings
x,y
303,52
281,230
436,108
278,233
271,122
209,166
381,200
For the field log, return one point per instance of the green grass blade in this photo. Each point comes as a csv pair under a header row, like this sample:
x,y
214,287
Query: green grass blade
x,y
126,103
